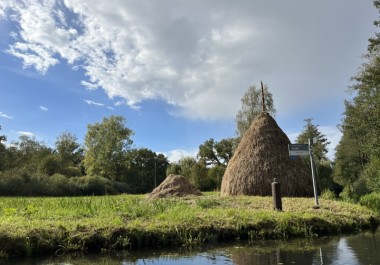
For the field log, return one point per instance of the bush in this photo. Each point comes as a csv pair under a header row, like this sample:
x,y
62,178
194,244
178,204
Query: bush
x,y
18,182
371,201
49,165
94,185
328,195
325,180
91,185
173,168
353,192
61,186
346,194
216,174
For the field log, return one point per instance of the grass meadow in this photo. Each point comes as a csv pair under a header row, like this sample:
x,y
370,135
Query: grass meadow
x,y
34,225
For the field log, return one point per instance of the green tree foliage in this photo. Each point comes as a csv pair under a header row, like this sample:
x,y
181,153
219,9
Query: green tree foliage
x,y
311,131
199,176
323,164
3,151
20,182
215,175
28,153
146,170
186,164
30,168
68,148
374,42
198,173
3,138
50,165
348,161
251,106
371,175
362,115
173,168
217,153
359,149
106,145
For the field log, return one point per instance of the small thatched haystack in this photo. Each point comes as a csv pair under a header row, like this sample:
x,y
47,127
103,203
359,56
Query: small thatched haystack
x,y
261,156
174,186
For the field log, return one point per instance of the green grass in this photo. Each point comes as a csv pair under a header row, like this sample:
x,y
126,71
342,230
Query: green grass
x,y
29,226
371,201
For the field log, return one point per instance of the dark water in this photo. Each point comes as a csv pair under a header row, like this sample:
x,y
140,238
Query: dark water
x,y
363,248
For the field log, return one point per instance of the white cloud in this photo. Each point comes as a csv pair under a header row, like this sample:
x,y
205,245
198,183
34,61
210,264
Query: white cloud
x,y
29,134
178,154
90,102
89,86
200,56
43,108
5,115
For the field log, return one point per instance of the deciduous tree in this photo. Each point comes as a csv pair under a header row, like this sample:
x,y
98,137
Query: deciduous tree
x,y
69,150
217,153
106,145
251,106
147,169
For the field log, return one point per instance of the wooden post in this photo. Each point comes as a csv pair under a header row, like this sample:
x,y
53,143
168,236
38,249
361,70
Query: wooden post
x,y
263,109
276,195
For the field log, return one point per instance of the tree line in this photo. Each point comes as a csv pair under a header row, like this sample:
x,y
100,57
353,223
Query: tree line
x,y
107,162
357,160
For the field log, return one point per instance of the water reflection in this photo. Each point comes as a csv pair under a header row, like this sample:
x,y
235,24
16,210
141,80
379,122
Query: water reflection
x,y
358,249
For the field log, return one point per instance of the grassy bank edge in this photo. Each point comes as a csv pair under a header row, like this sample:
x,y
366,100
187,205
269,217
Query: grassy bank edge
x,y
174,222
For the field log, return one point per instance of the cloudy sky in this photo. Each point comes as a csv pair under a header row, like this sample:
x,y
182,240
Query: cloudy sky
x,y
175,69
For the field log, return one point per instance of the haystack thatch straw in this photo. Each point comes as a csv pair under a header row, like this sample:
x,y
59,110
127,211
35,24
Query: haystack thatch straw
x,y
261,156
175,186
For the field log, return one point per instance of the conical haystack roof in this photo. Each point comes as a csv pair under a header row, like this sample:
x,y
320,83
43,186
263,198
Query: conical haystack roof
x,y
174,186
261,156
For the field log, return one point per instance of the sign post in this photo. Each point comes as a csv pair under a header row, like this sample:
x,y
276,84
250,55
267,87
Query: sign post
x,y
298,149
313,173
305,150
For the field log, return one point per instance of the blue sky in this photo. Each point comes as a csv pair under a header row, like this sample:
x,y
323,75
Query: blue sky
x,y
176,70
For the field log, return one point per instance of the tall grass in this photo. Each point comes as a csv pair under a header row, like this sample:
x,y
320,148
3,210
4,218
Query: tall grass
x,y
371,201
32,225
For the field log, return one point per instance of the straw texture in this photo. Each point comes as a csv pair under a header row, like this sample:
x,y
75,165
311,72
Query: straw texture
x,y
174,186
261,156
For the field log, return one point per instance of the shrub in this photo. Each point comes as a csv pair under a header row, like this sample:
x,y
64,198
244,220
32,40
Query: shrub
x,y
328,195
216,174
61,186
49,165
94,185
346,194
371,201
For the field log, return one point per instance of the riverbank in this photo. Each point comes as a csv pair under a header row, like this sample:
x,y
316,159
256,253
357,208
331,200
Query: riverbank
x,y
31,226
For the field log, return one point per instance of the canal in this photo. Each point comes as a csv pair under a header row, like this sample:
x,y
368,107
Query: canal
x,y
362,248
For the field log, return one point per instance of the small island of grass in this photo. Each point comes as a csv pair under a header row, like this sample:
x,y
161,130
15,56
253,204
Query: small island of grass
x,y
32,226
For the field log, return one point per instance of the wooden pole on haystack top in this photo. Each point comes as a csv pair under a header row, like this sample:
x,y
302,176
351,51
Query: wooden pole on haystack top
x,y
262,98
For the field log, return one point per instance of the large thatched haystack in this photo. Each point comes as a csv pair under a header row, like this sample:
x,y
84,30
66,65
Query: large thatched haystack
x,y
261,156
175,186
